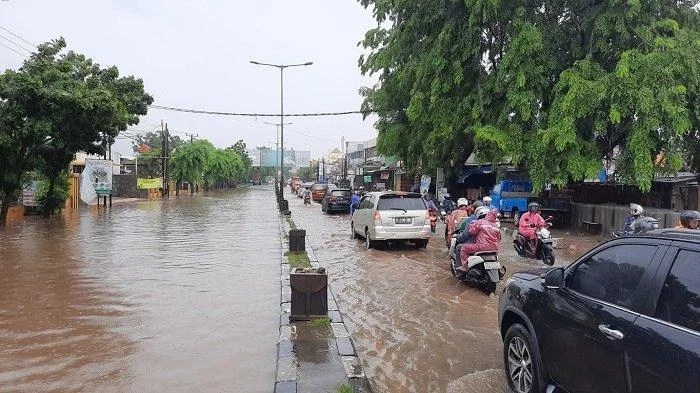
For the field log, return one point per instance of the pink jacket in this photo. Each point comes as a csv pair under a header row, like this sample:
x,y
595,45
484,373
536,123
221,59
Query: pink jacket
x,y
524,225
487,234
457,216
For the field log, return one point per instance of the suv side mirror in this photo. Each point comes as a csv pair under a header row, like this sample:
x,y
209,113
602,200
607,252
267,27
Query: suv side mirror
x,y
554,278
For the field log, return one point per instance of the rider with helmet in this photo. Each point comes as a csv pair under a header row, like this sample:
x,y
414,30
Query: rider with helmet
x,y
529,222
486,233
447,204
456,217
636,212
690,219
488,202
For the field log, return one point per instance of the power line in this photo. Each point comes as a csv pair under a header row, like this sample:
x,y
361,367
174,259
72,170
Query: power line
x,y
203,112
15,44
21,54
33,45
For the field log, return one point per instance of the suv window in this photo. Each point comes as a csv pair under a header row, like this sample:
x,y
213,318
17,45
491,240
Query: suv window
x,y
319,187
679,302
341,193
366,203
613,275
407,202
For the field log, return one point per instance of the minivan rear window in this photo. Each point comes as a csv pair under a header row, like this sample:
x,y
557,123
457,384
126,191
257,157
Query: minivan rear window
x,y
341,193
401,202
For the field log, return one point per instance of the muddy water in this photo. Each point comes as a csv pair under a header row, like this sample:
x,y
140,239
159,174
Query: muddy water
x,y
416,328
172,296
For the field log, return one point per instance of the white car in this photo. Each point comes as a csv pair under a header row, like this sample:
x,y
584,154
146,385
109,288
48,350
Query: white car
x,y
391,215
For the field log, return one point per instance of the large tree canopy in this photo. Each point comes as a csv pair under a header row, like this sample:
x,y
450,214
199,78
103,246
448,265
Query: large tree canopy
x,y
56,104
558,85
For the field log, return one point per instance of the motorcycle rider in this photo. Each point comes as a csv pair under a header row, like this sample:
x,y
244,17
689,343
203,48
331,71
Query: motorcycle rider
x,y
690,219
486,233
473,216
636,212
455,218
529,222
307,196
354,201
447,204
429,204
487,202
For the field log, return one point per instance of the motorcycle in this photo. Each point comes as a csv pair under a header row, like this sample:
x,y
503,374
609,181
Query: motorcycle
x,y
433,221
544,248
307,199
640,226
443,216
484,270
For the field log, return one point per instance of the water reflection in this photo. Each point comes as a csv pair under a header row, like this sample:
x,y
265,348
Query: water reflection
x,y
148,296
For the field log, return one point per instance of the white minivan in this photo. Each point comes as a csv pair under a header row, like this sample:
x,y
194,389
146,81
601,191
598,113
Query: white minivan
x,y
391,215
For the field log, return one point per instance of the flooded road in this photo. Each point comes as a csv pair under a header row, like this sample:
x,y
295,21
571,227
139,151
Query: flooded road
x,y
174,296
416,328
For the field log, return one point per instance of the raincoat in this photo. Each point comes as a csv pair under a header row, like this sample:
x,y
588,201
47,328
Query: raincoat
x,y
453,219
354,202
524,225
487,234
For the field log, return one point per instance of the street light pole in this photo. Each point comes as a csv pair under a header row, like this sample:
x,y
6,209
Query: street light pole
x,y
281,68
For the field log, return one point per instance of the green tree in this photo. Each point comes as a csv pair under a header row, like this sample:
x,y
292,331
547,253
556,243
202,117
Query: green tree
x,y
557,85
56,104
190,162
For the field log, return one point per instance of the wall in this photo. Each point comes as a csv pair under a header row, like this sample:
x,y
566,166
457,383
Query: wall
x,y
124,186
612,217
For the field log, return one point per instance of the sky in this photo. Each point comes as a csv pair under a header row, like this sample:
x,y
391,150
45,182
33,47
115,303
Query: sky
x,y
196,54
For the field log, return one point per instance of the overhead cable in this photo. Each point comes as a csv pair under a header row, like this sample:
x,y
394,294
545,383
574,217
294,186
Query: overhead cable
x,y
203,112
33,45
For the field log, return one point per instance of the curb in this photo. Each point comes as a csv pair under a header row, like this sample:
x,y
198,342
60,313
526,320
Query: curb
x,y
286,374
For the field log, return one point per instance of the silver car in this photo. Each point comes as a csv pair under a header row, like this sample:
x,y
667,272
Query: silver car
x,y
391,215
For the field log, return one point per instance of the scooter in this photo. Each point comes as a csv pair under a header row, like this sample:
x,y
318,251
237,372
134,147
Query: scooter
x,y
544,249
307,199
443,216
640,226
484,270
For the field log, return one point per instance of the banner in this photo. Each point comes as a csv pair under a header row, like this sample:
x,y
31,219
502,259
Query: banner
x,y
142,184
28,194
425,183
96,179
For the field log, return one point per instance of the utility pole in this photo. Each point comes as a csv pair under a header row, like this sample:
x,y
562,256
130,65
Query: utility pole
x,y
167,161
192,136
323,160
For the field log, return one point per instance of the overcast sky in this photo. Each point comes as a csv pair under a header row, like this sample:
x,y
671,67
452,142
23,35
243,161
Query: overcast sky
x,y
195,54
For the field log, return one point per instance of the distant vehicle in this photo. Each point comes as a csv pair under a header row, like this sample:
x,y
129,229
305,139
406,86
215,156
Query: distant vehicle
x,y
304,186
511,198
318,191
622,318
391,215
295,182
336,200
255,179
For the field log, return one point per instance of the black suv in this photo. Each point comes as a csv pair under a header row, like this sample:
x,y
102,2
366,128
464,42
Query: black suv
x,y
625,317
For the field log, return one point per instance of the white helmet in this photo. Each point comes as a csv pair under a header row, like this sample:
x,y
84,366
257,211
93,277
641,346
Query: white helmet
x,y
481,211
462,202
636,210
487,200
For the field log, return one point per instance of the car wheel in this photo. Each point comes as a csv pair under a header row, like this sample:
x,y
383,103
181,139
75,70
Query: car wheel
x,y
368,242
521,364
421,243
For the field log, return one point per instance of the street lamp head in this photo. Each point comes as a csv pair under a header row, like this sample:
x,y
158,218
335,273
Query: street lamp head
x,y
308,63
254,62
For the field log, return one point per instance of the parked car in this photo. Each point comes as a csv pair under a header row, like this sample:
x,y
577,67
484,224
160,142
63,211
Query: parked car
x,y
391,215
625,317
337,200
303,186
318,191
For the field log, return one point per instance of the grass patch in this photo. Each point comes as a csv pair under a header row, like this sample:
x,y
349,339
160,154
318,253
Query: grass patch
x,y
320,322
298,259
344,389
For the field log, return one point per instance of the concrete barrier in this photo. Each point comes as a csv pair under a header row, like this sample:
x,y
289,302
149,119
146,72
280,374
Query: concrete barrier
x,y
672,219
605,215
659,215
612,217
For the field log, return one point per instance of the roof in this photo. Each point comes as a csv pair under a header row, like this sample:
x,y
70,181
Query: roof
x,y
402,193
675,234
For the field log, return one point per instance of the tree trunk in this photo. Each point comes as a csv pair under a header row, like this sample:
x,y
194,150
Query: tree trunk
x,y
178,184
5,208
49,192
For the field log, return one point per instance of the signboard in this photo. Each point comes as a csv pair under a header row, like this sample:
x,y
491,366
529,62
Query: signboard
x,y
425,183
367,178
96,179
28,194
293,159
142,184
385,175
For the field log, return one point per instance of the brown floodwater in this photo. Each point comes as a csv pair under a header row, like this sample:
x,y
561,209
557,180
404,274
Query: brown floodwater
x,y
174,296
415,327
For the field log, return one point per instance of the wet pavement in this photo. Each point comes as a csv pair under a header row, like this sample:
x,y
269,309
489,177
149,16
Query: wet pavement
x,y
415,327
174,296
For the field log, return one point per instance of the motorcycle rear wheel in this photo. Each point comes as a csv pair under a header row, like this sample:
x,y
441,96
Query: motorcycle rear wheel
x,y
548,255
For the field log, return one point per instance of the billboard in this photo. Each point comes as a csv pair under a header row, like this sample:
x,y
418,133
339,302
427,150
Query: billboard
x,y
270,158
96,179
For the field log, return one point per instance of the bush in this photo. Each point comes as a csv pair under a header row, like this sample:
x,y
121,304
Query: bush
x,y
51,195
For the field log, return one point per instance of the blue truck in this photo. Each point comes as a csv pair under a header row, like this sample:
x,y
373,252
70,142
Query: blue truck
x,y
511,198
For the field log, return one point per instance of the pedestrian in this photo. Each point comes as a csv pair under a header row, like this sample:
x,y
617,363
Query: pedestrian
x,y
690,219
